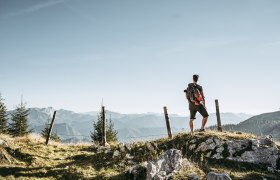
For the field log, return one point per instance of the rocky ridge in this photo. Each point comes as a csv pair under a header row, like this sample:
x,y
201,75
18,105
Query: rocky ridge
x,y
210,155
246,154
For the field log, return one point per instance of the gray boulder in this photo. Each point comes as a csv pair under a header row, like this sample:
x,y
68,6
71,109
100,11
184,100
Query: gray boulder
x,y
216,176
254,151
171,161
193,177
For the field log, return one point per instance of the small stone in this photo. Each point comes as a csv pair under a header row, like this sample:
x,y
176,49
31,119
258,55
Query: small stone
x,y
202,147
107,151
193,141
211,146
217,156
116,153
220,149
145,164
158,177
162,173
216,176
270,169
128,156
150,147
217,141
130,162
209,141
193,176
169,176
192,147
208,154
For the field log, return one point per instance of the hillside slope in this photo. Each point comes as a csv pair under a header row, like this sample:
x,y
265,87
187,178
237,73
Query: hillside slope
x,y
29,158
261,125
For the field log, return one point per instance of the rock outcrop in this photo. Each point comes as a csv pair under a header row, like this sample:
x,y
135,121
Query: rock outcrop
x,y
169,163
262,152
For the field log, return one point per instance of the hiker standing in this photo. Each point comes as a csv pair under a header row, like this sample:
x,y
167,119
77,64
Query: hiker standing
x,y
196,99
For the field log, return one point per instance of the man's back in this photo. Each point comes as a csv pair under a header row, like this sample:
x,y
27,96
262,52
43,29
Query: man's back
x,y
199,88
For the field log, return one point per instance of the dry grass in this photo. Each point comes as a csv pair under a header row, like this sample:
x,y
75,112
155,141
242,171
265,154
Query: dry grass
x,y
34,159
227,135
187,171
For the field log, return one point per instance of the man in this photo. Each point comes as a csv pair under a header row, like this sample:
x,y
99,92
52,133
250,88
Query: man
x,y
196,99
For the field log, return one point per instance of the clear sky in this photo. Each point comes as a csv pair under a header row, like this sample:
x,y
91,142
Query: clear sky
x,y
140,55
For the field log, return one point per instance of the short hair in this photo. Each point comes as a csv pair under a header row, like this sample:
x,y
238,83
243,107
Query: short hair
x,y
195,77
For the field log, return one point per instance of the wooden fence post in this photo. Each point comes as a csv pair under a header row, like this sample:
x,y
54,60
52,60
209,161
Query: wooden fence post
x,y
50,129
169,131
218,115
103,127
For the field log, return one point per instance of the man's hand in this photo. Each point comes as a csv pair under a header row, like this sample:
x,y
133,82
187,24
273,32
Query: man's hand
x,y
203,103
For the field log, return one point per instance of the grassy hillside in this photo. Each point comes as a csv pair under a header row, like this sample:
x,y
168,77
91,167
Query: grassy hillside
x,y
29,158
261,125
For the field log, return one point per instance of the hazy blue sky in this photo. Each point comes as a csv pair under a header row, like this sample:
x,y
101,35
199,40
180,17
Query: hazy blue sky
x,y
140,55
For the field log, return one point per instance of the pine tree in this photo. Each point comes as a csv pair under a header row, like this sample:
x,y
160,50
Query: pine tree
x,y
111,133
45,131
18,125
96,135
3,117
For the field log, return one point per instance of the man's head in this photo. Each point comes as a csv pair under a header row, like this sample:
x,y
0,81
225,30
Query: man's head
x,y
195,78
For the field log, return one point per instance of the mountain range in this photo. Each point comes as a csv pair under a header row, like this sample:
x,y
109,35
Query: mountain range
x,y
76,127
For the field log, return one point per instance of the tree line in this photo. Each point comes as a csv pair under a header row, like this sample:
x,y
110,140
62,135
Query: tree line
x,y
17,126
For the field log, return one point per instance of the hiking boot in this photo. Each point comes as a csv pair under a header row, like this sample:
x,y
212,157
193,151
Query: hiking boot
x,y
202,130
